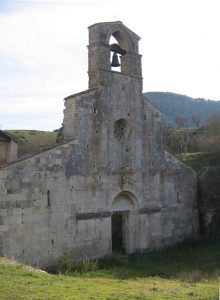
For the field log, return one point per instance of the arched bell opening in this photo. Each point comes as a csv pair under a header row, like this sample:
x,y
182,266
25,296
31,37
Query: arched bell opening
x,y
115,58
121,48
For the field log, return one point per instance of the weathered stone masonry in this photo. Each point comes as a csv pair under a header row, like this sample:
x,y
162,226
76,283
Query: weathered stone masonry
x,y
61,202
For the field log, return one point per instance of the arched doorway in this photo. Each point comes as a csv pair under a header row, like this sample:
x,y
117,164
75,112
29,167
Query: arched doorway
x,y
123,226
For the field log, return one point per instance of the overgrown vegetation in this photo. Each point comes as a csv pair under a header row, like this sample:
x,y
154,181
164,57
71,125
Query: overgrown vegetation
x,y
187,271
200,149
202,139
33,140
67,265
209,200
200,161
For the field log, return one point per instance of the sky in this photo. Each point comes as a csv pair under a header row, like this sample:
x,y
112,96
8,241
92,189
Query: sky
x,y
44,56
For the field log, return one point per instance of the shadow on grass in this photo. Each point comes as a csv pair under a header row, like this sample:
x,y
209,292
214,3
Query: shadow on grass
x,y
190,261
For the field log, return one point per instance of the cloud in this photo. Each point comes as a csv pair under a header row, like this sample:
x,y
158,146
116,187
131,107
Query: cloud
x,y
44,56
43,53
31,120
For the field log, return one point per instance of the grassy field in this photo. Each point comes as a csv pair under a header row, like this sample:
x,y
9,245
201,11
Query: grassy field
x,y
33,140
188,271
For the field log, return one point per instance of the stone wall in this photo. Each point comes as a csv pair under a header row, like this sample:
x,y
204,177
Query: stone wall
x,y
13,151
8,151
3,151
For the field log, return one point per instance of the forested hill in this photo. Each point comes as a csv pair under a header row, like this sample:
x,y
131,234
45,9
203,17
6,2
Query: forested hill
x,y
172,105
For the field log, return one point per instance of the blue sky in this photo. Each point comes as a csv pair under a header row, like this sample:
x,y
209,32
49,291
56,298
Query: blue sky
x,y
43,53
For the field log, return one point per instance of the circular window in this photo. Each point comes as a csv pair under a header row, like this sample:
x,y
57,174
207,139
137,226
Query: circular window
x,y
121,129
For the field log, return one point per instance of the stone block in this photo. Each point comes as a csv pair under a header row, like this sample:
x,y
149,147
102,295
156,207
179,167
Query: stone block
x,y
4,228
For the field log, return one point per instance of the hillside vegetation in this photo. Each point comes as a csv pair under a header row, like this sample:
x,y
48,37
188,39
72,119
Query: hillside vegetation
x,y
200,149
187,271
172,105
200,161
33,140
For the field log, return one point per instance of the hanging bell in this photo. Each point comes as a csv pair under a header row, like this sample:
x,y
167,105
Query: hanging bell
x,y
115,60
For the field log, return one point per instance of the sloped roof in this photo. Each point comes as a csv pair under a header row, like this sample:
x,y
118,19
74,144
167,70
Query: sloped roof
x,y
116,23
6,137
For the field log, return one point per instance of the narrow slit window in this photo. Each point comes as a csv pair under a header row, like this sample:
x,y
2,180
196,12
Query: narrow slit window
x,y
177,197
48,199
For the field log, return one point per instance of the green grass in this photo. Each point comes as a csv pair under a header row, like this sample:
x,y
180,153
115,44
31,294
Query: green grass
x,y
188,271
199,161
33,140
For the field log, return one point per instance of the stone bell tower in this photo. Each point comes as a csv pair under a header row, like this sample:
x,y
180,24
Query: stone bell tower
x,y
99,52
110,85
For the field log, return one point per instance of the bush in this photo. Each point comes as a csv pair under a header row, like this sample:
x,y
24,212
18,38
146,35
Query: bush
x,y
67,265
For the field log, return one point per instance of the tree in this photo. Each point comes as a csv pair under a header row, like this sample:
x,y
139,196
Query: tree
x,y
196,118
178,140
209,141
213,123
180,121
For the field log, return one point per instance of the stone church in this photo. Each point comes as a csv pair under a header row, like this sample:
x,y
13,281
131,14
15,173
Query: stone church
x,y
109,184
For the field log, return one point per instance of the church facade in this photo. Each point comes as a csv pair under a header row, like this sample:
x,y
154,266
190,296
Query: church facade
x,y
109,184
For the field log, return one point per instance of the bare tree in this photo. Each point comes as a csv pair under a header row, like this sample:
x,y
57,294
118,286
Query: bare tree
x,y
213,123
180,121
196,118
209,140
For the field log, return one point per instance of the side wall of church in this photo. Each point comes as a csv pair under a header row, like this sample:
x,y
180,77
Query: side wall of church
x,y
45,214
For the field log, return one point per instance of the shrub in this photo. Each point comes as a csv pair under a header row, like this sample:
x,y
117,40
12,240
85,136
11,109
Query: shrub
x,y
67,265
